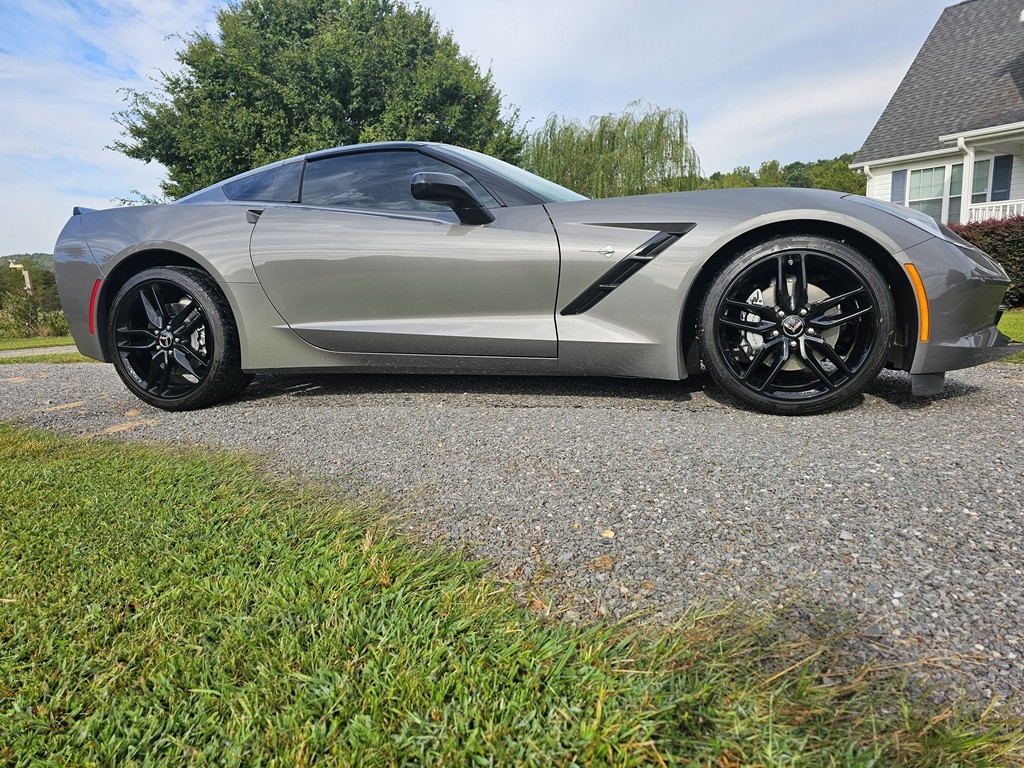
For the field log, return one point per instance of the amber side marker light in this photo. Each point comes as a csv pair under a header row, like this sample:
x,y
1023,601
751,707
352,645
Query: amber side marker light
x,y
922,301
92,307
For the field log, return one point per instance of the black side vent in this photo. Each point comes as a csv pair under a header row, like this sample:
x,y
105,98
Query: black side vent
x,y
620,272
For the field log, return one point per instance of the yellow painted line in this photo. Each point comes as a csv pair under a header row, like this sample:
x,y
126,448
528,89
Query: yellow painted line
x,y
64,407
16,380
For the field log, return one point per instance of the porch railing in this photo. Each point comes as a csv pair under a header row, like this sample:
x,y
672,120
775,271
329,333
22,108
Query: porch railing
x,y
1001,210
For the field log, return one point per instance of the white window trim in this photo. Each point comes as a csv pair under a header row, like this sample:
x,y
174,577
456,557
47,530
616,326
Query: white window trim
x,y
967,186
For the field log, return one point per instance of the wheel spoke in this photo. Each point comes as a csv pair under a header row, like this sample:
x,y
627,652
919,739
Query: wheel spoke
x,y
782,297
182,360
182,353
834,301
833,357
154,370
756,309
780,361
759,358
187,316
812,362
125,343
760,328
831,321
803,297
152,306
165,374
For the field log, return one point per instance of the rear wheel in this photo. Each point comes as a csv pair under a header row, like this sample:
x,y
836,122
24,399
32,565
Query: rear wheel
x,y
174,341
796,325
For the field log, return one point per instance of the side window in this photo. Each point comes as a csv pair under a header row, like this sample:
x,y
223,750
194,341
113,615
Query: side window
x,y
377,180
276,185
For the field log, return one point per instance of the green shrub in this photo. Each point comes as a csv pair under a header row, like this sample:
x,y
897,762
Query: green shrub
x,y
1003,240
23,316
53,323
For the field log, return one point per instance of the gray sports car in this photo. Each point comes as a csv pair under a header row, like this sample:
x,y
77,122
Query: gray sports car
x,y
426,257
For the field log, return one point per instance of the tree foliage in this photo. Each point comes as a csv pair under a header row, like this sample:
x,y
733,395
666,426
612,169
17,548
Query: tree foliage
x,y
834,174
631,153
40,270
284,77
29,314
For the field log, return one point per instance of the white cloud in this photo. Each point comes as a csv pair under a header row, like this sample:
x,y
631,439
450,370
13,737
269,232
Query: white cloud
x,y
791,79
61,69
806,118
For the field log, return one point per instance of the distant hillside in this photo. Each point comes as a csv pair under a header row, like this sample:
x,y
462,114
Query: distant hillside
x,y
41,260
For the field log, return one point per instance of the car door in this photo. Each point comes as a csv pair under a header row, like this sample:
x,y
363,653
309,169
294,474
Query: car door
x,y
361,266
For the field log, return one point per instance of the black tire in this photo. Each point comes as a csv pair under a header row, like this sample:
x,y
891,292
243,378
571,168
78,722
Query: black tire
x,y
813,345
173,340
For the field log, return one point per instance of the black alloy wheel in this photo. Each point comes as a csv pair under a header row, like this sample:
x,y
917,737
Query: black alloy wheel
x,y
173,340
796,325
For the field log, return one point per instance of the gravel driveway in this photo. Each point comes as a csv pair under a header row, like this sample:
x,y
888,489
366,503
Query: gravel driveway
x,y
621,496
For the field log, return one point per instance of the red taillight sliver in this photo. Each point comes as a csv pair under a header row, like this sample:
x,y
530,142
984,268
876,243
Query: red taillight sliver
x,y
92,307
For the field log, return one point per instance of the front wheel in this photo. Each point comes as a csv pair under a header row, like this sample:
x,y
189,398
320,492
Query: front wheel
x,y
173,340
796,325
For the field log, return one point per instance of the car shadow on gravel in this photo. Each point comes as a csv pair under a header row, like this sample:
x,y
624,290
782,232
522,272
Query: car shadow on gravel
x,y
895,387
526,388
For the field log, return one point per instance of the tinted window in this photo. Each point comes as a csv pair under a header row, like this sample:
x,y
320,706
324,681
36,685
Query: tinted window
x,y
275,185
546,190
377,180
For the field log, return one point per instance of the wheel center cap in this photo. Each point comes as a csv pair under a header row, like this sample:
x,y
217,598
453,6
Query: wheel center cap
x,y
165,339
793,326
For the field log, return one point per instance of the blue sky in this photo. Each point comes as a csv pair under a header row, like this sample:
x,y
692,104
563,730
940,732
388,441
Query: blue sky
x,y
786,80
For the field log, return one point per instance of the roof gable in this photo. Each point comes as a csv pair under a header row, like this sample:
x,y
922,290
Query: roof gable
x,y
969,74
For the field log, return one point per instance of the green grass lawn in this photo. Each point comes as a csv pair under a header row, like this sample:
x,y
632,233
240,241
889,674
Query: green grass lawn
x,y
1012,324
178,608
53,357
36,342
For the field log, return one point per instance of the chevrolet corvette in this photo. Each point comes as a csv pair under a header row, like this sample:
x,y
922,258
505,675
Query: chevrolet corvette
x,y
422,257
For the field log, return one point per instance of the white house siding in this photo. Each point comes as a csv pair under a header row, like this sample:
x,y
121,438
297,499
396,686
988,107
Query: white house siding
x,y
1017,178
880,186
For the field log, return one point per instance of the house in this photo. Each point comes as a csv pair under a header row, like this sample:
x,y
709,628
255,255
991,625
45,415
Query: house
x,y
951,140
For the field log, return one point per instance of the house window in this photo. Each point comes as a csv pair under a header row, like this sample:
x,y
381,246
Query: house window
x,y
926,189
956,192
1002,170
991,181
898,194
979,189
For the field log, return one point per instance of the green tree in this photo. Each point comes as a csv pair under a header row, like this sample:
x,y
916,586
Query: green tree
x,y
771,174
737,178
284,77
834,174
631,153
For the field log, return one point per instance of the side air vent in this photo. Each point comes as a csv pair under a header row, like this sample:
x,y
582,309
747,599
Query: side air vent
x,y
621,272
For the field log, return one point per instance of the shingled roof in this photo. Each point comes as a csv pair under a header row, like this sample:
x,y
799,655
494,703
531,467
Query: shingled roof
x,y
969,74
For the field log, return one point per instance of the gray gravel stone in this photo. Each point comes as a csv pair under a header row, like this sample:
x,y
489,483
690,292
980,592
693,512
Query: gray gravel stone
x,y
903,513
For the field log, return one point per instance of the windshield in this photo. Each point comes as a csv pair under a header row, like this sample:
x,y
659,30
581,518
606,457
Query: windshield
x,y
546,190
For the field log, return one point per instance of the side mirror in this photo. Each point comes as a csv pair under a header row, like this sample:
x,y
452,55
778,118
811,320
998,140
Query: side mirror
x,y
448,189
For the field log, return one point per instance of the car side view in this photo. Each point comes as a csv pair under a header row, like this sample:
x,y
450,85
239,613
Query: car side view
x,y
420,257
